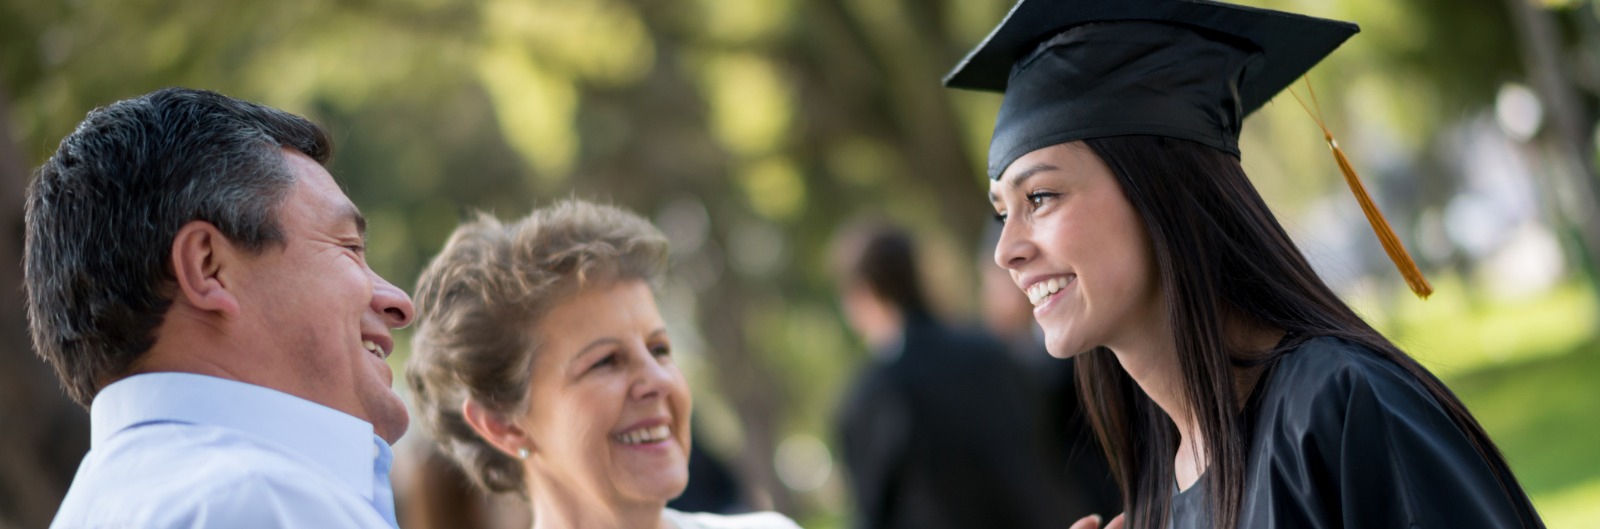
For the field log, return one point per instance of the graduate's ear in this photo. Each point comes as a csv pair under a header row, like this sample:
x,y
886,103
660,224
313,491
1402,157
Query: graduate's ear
x,y
202,259
497,429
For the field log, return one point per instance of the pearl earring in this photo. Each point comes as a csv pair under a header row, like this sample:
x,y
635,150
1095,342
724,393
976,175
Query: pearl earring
x,y
522,453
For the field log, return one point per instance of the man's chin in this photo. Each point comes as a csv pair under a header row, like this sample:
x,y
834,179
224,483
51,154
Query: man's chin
x,y
390,421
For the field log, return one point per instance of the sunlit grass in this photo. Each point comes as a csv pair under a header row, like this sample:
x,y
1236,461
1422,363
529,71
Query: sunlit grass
x,y
1577,506
1455,333
1542,415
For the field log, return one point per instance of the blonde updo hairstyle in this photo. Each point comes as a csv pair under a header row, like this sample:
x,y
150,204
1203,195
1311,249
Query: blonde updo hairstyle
x,y
479,300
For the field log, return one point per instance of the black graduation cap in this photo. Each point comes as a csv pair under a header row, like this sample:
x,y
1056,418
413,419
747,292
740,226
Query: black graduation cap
x,y
1189,69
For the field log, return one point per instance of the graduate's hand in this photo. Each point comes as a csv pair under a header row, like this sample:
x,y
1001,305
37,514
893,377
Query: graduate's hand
x,y
1093,522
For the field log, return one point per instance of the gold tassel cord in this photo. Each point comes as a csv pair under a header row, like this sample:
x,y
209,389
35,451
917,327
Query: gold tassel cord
x,y
1391,242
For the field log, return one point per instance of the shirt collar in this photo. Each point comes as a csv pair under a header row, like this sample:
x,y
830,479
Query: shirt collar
x,y
341,444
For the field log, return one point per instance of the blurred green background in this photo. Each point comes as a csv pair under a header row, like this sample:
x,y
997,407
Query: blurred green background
x,y
748,130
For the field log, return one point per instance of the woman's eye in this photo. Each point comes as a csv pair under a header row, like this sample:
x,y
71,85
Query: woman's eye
x,y
604,362
1037,198
661,350
1000,218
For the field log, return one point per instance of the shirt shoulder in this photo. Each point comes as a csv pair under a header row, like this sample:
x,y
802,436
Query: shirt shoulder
x,y
185,475
755,520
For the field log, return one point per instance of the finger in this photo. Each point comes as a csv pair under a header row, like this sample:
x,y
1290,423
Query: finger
x,y
1088,522
1117,523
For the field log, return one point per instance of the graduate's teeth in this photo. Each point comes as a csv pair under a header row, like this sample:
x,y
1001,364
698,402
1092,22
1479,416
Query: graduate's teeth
x,y
1043,289
372,347
644,435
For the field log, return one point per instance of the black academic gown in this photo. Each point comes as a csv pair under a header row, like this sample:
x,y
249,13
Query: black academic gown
x,y
947,434
1344,438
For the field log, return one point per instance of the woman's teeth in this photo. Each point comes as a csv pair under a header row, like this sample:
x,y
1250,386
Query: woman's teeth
x,y
644,435
1043,289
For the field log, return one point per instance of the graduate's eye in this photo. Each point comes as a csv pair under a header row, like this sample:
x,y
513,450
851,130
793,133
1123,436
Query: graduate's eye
x,y
1037,199
1000,218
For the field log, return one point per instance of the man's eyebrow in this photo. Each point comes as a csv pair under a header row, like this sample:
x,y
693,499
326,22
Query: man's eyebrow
x,y
353,215
1024,176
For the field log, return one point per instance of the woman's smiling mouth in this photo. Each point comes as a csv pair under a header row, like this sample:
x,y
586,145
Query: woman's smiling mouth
x,y
1041,291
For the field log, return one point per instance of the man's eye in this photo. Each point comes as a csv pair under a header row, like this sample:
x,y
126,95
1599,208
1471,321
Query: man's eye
x,y
604,362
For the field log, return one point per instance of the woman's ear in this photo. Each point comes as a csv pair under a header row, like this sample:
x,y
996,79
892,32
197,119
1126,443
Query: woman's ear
x,y
494,427
199,255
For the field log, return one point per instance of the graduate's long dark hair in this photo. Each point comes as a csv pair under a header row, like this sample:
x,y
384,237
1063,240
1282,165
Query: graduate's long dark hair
x,y
1220,255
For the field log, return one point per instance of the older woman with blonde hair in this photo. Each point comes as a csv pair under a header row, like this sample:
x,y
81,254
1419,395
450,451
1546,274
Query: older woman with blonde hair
x,y
542,366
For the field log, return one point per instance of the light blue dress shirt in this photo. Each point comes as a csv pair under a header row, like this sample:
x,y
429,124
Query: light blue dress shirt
x,y
185,450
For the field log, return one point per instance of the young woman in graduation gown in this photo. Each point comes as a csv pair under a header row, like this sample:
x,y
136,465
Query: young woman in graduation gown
x,y
1228,384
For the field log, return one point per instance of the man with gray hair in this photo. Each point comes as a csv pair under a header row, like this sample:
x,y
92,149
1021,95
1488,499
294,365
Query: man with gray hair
x,y
198,280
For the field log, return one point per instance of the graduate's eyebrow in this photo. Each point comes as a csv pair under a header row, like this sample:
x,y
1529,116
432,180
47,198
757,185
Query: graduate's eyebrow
x,y
1023,177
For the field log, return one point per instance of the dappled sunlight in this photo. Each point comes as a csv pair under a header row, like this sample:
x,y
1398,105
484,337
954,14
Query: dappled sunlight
x,y
860,161
774,186
535,56
740,22
751,108
602,42
535,108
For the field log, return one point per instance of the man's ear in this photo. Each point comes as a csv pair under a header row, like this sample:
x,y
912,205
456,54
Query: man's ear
x,y
495,428
200,253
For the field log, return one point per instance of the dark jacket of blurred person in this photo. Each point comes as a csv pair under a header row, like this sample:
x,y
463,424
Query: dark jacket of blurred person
x,y
1007,313
943,429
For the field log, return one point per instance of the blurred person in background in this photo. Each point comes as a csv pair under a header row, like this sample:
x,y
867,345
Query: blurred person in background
x,y
942,429
542,366
1230,386
1087,485
198,280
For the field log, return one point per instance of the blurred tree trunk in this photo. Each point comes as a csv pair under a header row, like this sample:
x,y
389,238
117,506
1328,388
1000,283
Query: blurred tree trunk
x,y
1539,41
43,434
752,391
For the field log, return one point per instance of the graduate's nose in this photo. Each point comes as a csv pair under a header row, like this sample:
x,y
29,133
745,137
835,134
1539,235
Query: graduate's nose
x,y
1014,248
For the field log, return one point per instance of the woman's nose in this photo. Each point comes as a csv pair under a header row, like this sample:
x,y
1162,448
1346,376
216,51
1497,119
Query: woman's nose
x,y
1013,249
652,378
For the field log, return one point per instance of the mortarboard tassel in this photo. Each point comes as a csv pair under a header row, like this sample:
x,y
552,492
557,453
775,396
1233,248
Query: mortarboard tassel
x,y
1391,242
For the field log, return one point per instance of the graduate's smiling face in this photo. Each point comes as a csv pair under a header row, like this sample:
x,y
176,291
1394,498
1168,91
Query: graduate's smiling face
x,y
1076,247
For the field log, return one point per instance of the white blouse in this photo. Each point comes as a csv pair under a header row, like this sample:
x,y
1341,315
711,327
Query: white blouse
x,y
755,520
